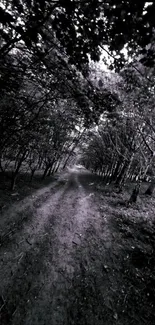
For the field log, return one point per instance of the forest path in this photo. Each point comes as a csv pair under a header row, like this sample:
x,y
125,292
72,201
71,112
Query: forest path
x,y
63,259
38,251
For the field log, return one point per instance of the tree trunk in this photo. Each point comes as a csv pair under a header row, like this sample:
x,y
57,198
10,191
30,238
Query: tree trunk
x,y
151,187
1,168
49,171
40,163
116,170
13,181
121,175
15,173
135,193
45,172
32,174
56,167
111,172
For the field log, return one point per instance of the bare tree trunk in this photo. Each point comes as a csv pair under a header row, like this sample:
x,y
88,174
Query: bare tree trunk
x,y
40,163
15,173
116,170
151,187
122,172
135,193
49,171
1,168
32,174
45,172
56,167
13,181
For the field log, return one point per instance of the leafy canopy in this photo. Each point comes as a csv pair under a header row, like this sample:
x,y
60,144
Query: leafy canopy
x,y
80,26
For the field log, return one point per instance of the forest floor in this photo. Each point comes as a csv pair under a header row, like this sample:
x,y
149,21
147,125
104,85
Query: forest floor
x,y
74,253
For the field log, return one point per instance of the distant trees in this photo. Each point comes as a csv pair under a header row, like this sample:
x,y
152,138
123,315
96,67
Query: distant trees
x,y
123,146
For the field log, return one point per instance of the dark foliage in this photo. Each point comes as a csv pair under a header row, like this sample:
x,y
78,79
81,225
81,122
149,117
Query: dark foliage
x,y
81,27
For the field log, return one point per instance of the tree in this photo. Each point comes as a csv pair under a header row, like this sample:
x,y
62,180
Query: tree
x,y
81,27
122,147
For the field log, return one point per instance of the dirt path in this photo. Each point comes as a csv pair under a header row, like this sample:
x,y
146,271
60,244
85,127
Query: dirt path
x,y
37,260
60,259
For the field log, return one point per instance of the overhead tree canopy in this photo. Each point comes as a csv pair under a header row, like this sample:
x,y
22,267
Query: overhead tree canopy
x,y
81,27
